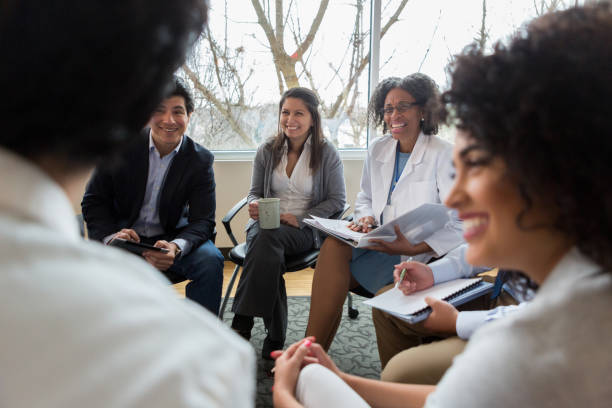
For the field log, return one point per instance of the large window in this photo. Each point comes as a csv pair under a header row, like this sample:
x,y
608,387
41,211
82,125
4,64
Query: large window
x,y
256,49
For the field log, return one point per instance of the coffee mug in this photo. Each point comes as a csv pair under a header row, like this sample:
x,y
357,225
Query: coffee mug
x,y
269,213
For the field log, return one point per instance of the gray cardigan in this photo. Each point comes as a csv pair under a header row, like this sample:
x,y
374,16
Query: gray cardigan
x,y
328,192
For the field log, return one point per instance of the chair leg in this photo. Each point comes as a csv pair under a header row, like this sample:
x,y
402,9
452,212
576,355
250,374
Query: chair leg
x,y
230,286
352,313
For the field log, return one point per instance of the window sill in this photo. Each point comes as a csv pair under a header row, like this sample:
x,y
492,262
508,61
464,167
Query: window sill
x,y
248,155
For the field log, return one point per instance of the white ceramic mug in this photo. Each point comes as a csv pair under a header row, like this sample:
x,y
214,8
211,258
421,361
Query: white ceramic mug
x,y
269,213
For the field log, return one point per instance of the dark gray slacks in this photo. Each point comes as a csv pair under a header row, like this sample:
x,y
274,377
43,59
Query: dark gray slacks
x,y
261,290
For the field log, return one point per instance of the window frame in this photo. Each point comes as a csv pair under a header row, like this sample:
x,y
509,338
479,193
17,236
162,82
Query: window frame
x,y
373,69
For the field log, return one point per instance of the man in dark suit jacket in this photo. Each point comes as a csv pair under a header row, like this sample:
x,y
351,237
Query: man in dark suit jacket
x,y
161,191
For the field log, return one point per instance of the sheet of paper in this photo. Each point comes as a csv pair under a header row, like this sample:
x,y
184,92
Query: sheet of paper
x,y
417,224
339,227
395,301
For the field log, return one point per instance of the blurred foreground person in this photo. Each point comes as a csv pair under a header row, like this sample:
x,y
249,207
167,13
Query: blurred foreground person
x,y
84,325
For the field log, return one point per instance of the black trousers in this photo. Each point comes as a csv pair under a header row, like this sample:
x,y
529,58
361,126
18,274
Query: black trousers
x,y
261,291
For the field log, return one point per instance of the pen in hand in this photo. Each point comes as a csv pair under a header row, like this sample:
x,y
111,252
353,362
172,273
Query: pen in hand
x,y
401,278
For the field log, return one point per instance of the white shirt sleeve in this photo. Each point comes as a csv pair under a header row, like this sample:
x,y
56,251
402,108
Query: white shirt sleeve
x,y
454,266
468,322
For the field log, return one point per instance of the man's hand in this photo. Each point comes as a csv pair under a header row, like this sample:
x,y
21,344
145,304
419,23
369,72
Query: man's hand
x,y
254,210
127,234
418,277
443,318
289,219
160,260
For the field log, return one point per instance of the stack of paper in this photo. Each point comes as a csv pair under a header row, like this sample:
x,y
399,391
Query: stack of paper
x,y
416,225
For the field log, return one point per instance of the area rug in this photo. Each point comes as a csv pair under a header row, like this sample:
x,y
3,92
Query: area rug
x,y
353,350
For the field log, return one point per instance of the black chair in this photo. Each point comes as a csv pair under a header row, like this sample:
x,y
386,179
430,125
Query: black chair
x,y
353,313
293,263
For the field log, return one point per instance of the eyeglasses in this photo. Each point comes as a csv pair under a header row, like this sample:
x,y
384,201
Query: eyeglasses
x,y
401,107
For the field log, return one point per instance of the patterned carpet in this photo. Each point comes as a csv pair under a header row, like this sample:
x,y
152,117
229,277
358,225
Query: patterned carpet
x,y
354,348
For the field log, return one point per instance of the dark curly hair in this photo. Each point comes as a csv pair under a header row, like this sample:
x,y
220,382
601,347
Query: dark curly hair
x,y
422,88
542,104
80,78
316,135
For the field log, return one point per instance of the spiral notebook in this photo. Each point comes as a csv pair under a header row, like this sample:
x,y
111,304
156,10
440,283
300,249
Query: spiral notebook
x,y
412,308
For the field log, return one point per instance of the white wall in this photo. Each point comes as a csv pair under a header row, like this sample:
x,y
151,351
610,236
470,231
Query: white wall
x,y
233,181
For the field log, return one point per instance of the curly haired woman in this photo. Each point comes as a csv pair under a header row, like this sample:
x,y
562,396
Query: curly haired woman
x,y
405,168
532,158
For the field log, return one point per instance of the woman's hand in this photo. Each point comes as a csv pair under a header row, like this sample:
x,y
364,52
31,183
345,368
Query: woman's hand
x,y
315,355
400,246
418,276
443,317
317,352
287,369
364,224
254,210
289,219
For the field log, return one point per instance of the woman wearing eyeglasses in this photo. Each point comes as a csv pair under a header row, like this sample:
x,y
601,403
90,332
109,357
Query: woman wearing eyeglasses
x,y
406,167
532,158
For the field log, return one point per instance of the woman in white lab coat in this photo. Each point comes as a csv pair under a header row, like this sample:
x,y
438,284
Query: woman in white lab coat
x,y
405,168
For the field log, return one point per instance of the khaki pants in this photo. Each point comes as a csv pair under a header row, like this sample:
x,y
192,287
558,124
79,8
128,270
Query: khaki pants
x,y
411,354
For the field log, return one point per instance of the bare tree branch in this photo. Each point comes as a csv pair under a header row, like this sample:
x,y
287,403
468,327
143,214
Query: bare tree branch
x,y
394,18
313,28
280,24
483,35
219,106
364,62
430,41
283,62
263,22
213,50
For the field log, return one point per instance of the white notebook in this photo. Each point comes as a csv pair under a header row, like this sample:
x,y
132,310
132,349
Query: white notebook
x,y
416,225
394,301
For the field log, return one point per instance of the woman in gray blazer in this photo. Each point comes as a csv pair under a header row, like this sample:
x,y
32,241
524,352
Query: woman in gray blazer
x,y
304,170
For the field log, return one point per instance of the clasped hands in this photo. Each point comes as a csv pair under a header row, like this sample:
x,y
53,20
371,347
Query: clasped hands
x,y
289,363
285,218
159,260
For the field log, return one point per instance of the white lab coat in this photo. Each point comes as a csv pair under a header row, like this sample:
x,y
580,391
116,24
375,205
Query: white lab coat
x,y
426,178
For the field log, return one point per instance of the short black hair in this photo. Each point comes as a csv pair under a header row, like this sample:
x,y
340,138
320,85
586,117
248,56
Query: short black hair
x,y
80,78
423,89
178,88
542,104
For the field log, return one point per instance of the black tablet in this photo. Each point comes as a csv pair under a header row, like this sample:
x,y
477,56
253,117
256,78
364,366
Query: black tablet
x,y
135,247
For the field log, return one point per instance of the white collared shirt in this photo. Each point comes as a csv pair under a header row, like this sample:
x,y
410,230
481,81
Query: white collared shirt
x,y
295,192
147,224
87,325
554,352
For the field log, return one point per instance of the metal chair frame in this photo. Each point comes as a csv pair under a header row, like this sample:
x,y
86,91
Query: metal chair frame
x,y
293,263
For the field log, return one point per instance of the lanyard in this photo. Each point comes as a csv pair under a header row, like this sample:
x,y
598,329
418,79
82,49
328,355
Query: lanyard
x,y
396,172
396,176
